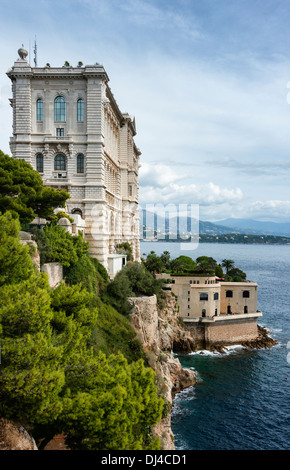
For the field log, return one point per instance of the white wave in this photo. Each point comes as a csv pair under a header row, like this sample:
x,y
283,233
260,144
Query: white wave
x,y
187,394
276,330
226,350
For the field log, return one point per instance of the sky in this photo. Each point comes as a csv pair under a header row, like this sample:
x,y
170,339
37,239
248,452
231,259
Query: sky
x,y
208,82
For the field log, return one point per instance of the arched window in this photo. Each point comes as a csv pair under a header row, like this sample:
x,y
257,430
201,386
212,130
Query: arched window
x,y
246,294
215,296
59,109
39,110
80,164
203,297
60,163
39,163
80,110
77,211
229,293
203,312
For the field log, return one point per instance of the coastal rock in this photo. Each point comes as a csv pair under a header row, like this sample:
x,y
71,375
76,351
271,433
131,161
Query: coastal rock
x,y
14,437
158,330
263,341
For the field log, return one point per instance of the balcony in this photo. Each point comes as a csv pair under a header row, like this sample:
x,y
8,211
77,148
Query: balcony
x,y
64,139
224,318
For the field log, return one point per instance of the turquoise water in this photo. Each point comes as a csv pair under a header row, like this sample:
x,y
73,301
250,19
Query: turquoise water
x,y
241,400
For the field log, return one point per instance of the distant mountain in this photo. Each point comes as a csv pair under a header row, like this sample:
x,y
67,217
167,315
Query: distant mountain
x,y
222,227
184,225
250,226
215,229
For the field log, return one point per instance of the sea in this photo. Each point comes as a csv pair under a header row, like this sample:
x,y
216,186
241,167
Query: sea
x,y
241,399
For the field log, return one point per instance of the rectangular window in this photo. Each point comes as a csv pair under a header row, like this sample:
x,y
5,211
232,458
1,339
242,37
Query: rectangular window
x,y
215,296
39,110
39,163
80,164
203,296
59,109
60,132
80,110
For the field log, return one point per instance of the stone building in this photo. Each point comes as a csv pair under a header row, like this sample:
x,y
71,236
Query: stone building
x,y
216,312
68,126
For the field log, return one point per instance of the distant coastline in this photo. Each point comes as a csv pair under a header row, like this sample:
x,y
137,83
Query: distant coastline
x,y
231,238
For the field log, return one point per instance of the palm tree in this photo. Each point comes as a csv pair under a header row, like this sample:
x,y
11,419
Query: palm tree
x,y
228,264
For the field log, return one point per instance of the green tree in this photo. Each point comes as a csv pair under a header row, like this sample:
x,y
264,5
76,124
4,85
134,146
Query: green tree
x,y
86,273
22,191
228,264
15,262
165,259
31,373
56,244
125,248
182,264
153,263
110,405
133,280
219,271
121,338
117,293
141,280
235,275
206,265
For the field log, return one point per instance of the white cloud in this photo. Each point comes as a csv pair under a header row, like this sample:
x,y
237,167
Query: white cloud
x,y
269,210
205,195
158,175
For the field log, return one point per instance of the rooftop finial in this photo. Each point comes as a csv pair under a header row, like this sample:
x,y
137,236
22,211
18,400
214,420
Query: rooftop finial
x,y
22,53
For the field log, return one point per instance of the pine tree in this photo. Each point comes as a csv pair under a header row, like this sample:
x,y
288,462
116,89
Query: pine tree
x,y
22,191
15,262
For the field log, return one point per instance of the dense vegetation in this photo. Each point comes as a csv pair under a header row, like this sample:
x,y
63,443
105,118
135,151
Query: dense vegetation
x,y
70,361
186,266
22,191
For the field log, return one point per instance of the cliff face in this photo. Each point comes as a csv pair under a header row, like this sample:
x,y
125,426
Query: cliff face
x,y
160,330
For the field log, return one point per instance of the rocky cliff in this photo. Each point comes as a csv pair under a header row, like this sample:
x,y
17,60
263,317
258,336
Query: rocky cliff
x,y
13,436
161,331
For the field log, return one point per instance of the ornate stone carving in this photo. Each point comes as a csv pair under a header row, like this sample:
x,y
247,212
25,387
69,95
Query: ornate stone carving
x,y
22,53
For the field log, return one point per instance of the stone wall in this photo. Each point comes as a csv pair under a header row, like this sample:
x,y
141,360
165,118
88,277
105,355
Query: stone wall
x,y
233,332
208,334
54,272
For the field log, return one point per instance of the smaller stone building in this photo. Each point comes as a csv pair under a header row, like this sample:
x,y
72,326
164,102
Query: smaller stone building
x,y
216,312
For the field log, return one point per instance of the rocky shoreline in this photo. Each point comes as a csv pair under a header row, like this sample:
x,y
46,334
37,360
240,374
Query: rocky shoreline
x,y
263,341
161,332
